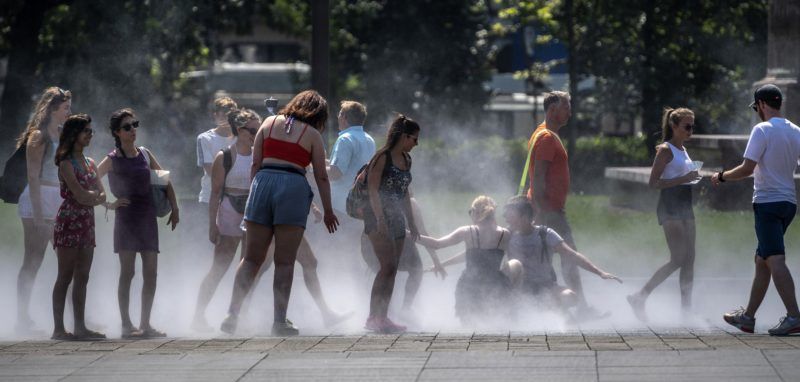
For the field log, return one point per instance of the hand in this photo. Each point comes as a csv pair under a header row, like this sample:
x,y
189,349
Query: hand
x,y
121,202
317,214
331,222
692,176
438,270
715,179
100,199
213,233
413,233
174,218
609,276
383,228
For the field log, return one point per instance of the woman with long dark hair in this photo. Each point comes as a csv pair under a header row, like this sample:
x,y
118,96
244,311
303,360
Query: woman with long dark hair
x,y
135,226
41,198
280,200
74,236
388,179
672,173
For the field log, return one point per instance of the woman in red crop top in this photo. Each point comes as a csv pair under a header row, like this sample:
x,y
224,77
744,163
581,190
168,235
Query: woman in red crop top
x,y
280,199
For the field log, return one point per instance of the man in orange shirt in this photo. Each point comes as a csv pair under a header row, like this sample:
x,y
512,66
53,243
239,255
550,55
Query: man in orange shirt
x,y
549,182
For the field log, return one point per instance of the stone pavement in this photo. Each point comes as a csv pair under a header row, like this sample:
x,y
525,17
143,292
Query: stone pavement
x,y
651,354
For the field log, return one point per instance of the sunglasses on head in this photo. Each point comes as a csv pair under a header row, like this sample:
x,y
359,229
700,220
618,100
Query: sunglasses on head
x,y
129,126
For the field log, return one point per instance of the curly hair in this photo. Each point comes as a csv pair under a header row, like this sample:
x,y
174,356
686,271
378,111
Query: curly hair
x,y
482,208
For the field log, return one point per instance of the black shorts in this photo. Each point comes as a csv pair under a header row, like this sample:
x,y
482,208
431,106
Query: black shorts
x,y
675,203
771,222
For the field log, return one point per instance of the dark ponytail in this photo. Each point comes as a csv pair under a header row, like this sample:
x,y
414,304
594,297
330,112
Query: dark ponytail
x,y
116,123
401,125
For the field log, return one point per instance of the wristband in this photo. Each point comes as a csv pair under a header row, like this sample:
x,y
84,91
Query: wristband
x,y
721,180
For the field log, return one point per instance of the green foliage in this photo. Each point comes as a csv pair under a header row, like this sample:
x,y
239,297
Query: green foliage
x,y
593,154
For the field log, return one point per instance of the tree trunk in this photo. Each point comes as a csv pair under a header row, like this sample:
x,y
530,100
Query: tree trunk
x,y
20,83
649,84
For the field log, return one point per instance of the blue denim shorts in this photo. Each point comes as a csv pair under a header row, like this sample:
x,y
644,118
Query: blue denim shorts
x,y
771,221
279,196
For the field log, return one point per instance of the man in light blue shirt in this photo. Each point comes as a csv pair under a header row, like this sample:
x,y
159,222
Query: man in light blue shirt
x,y
352,150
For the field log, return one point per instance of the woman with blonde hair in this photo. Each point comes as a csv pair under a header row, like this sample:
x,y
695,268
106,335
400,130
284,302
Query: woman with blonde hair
x,y
40,200
483,290
673,173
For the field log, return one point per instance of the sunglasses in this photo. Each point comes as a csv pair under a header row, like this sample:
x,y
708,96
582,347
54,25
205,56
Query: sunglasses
x,y
414,137
689,127
129,126
88,131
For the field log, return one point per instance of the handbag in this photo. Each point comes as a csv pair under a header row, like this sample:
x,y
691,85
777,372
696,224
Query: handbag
x,y
159,179
239,202
358,196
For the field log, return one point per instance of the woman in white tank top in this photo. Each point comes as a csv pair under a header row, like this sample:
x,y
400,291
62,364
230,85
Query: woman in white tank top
x,y
673,173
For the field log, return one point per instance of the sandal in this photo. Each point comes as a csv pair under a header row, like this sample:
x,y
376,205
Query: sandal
x,y
62,336
89,335
131,332
152,333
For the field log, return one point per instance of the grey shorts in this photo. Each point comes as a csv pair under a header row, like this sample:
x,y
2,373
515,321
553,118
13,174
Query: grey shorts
x,y
279,196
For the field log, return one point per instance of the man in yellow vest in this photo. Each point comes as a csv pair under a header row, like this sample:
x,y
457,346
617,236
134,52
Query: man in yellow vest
x,y
549,185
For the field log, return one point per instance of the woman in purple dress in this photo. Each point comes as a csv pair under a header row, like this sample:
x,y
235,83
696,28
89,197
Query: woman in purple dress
x,y
73,236
135,226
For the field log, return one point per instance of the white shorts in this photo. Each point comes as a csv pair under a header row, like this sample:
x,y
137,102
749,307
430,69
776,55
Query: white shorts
x,y
51,202
228,220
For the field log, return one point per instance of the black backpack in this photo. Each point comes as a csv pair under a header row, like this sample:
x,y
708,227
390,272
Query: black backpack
x,y
15,174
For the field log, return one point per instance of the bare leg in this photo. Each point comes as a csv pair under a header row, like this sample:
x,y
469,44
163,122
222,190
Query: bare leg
x,y
257,241
760,286
83,266
36,240
127,262
150,280
224,252
783,283
307,260
66,268
287,240
674,232
388,252
412,286
687,265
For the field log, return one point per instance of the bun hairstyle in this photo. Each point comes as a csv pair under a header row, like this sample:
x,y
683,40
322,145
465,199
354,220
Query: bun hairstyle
x,y
115,124
483,207
73,126
239,118
50,100
672,117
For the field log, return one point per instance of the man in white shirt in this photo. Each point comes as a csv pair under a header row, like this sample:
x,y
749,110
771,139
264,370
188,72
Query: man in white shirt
x,y
772,156
210,142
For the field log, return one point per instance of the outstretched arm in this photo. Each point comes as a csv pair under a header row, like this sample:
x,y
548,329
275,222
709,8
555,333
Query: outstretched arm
x,y
450,240
564,250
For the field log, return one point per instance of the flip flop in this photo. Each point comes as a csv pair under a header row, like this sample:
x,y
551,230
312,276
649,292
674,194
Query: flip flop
x,y
63,336
132,332
152,333
89,335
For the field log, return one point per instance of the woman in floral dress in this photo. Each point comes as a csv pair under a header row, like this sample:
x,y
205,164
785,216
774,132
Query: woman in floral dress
x,y
74,237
